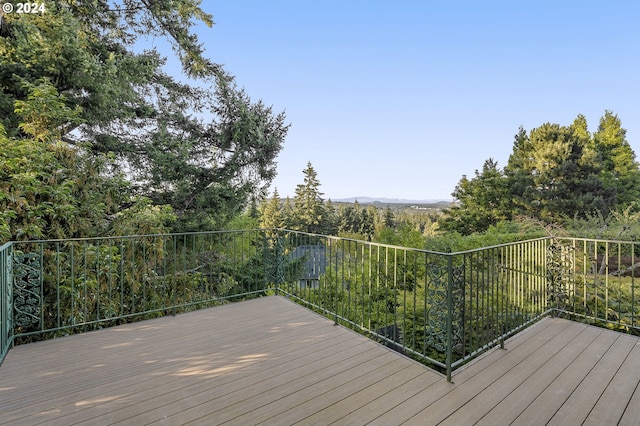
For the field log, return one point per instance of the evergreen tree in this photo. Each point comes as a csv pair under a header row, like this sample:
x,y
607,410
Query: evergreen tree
x,y
482,201
271,213
309,212
253,211
355,218
350,218
330,226
389,218
345,213
620,168
288,214
47,188
367,226
554,173
204,148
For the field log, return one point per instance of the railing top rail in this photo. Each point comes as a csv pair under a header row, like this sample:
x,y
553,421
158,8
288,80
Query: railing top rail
x,y
119,237
499,245
336,238
5,246
329,237
598,240
455,253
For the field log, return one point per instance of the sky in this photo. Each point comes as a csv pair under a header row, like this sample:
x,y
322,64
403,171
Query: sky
x,y
400,99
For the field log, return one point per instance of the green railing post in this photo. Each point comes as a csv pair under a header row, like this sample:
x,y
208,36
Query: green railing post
x,y
449,348
276,259
6,302
265,260
174,285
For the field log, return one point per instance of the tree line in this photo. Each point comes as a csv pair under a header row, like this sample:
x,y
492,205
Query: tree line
x,y
308,211
555,174
97,139
558,180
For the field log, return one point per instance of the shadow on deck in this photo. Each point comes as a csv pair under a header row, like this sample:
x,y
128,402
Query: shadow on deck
x,y
270,360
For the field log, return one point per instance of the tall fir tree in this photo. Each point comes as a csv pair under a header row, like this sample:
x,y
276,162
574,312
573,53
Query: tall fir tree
x,y
309,211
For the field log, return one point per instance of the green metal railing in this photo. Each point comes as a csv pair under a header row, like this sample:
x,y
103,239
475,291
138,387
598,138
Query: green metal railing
x,y
66,286
596,281
440,308
6,300
502,289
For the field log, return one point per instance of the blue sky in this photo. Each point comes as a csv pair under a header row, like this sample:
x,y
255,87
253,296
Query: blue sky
x,y
400,99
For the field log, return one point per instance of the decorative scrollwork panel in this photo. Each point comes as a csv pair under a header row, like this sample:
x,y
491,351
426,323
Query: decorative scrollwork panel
x,y
27,297
437,311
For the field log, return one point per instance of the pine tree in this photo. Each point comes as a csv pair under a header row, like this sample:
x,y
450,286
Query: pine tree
x,y
253,211
554,172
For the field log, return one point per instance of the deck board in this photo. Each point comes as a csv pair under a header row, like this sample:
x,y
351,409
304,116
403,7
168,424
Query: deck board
x,y
594,384
512,406
271,361
493,384
617,396
544,407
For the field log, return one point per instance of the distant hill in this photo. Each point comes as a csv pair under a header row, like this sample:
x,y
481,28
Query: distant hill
x,y
397,203
382,200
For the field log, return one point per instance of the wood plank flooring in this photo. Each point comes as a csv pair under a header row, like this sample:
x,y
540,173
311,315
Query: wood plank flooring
x,y
270,361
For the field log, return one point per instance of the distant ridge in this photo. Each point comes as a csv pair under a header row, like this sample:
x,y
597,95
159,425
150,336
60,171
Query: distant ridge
x,y
383,200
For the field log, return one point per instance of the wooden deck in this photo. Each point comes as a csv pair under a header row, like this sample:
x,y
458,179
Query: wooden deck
x,y
270,361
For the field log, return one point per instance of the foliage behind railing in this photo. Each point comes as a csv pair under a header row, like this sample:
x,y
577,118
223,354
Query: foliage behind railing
x,y
440,308
597,282
64,286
